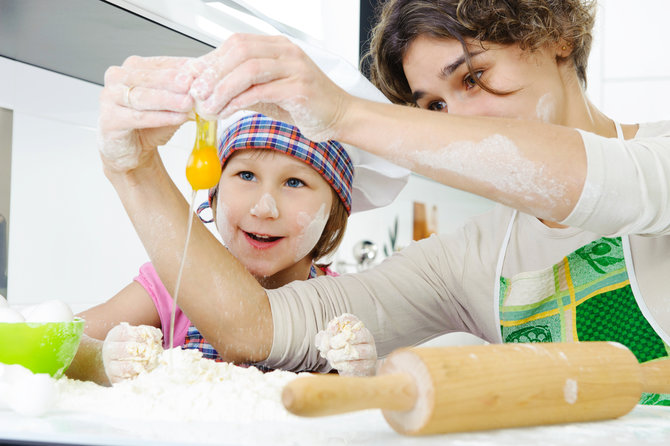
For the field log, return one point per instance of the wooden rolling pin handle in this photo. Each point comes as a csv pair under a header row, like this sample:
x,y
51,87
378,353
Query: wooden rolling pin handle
x,y
315,396
656,376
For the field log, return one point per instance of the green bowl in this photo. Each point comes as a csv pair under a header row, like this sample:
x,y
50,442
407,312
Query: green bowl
x,y
46,347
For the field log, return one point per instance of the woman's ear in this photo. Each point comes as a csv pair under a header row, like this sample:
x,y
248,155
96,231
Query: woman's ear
x,y
563,48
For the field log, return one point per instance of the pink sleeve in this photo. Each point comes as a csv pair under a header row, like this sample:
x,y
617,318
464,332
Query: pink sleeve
x,y
149,279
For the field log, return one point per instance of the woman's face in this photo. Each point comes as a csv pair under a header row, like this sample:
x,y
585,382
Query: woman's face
x,y
439,79
271,210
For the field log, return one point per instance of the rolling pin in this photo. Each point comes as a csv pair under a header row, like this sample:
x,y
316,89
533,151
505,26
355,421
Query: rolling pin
x,y
434,390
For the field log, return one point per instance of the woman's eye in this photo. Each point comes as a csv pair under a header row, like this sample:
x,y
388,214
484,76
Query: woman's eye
x,y
246,175
294,182
470,81
437,106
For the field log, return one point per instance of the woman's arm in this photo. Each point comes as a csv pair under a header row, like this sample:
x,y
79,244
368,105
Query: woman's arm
x,y
535,167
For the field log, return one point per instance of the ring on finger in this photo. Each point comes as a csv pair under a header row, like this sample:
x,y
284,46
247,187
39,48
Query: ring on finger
x,y
126,97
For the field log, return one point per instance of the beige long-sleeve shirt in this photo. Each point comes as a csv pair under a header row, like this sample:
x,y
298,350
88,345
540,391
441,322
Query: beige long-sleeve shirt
x,y
446,283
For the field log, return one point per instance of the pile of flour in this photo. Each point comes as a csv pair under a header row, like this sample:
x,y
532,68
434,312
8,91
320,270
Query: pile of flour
x,y
183,387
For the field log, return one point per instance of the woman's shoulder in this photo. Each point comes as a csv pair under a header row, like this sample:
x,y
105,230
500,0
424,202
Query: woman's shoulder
x,y
652,129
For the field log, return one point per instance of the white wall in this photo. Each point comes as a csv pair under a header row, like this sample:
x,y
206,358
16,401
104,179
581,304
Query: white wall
x,y
629,68
71,239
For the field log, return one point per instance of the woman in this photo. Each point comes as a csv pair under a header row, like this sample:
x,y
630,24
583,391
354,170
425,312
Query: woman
x,y
578,249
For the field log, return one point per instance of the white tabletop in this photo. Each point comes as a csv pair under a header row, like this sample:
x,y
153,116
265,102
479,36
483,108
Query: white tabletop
x,y
644,425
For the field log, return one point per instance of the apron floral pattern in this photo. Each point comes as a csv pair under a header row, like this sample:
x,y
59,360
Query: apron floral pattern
x,y
585,297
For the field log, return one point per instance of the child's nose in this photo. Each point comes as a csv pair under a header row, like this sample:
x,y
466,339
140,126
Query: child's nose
x,y
266,207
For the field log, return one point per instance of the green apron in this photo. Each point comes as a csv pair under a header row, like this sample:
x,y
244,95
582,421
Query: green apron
x,y
585,297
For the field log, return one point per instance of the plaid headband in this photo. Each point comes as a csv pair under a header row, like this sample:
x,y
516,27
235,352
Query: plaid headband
x,y
257,131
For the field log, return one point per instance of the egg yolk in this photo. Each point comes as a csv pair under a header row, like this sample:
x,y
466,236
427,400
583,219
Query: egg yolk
x,y
203,168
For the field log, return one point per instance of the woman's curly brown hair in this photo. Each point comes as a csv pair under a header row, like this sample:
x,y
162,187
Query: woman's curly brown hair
x,y
531,24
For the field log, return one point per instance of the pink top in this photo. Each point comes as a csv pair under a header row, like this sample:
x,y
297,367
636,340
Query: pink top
x,y
148,278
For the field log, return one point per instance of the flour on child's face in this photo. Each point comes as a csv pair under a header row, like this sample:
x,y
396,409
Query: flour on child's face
x,y
266,206
313,226
271,209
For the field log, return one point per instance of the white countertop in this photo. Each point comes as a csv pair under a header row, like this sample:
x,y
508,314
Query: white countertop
x,y
642,426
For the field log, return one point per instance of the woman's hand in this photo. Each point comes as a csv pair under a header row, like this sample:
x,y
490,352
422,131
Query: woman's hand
x,y
273,76
130,350
348,346
142,104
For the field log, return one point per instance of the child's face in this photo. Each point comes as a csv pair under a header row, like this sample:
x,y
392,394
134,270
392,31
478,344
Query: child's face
x,y
271,210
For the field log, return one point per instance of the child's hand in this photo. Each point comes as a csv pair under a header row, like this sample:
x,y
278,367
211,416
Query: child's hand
x,y
129,351
348,346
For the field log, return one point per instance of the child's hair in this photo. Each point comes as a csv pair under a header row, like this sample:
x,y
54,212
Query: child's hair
x,y
529,23
328,158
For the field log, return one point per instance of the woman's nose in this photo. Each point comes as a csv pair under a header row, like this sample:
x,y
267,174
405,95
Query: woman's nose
x,y
266,207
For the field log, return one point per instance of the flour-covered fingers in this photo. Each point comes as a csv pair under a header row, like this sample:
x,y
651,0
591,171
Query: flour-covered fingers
x,y
359,336
114,117
235,51
273,75
127,351
177,80
118,371
137,333
249,74
165,93
351,352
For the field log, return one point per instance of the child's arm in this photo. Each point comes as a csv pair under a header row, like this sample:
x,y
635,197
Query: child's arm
x,y
133,305
87,364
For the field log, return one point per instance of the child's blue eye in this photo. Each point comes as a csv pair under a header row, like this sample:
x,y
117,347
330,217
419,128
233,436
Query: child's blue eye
x,y
246,175
294,182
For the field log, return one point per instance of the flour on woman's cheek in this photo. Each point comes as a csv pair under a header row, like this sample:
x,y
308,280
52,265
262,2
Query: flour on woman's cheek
x,y
312,227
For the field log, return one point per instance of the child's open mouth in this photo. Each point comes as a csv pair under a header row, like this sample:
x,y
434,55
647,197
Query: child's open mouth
x,y
261,240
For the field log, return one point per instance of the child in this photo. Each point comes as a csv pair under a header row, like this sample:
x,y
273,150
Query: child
x,y
281,204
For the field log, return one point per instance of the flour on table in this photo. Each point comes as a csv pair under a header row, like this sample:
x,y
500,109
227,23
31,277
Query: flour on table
x,y
183,387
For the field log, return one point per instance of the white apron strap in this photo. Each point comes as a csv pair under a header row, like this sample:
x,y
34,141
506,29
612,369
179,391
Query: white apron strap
x,y
499,266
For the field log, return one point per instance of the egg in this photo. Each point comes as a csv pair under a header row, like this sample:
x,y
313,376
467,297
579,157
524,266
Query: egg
x,y
25,392
9,314
49,311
